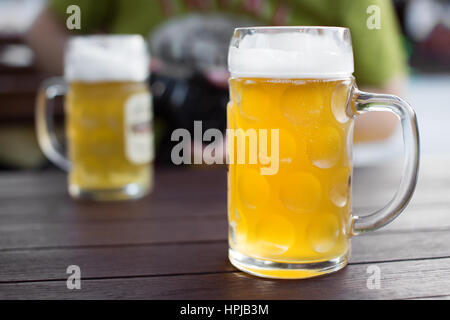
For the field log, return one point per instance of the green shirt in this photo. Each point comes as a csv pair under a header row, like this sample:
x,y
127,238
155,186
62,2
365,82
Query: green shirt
x,y
378,53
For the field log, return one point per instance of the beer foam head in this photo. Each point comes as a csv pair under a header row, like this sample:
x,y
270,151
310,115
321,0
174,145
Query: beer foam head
x,y
106,58
291,52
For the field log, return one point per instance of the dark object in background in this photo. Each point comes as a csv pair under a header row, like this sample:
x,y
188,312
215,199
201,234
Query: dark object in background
x,y
179,102
426,25
188,49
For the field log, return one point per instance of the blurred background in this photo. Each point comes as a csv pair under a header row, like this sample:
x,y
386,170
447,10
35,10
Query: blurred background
x,y
188,41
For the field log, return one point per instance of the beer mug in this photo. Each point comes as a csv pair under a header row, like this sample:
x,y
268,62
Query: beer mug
x,y
291,217
108,117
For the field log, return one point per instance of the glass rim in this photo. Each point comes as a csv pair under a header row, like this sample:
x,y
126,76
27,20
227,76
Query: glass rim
x,y
291,28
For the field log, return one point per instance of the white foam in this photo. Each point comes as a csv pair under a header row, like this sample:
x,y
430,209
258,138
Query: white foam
x,y
291,55
106,58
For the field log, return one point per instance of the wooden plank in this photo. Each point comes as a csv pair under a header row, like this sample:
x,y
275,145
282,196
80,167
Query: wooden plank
x,y
42,194
433,298
399,280
372,186
62,210
190,186
31,186
362,199
35,235
194,228
44,264
188,258
374,247
159,223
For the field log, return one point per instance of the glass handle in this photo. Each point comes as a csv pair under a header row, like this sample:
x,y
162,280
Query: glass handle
x,y
45,130
366,102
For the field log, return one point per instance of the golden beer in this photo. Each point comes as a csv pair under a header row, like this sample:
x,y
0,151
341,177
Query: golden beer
x,y
98,135
289,211
108,117
302,212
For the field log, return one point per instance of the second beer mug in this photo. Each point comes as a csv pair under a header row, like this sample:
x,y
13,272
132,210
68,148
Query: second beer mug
x,y
108,117
295,220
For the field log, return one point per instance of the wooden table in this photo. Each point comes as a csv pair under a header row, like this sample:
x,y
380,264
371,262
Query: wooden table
x,y
172,245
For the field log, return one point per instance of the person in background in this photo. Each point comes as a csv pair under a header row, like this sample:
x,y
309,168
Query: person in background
x,y
380,61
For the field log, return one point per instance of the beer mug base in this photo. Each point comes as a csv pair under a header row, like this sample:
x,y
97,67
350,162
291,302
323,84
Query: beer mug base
x,y
282,270
130,191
